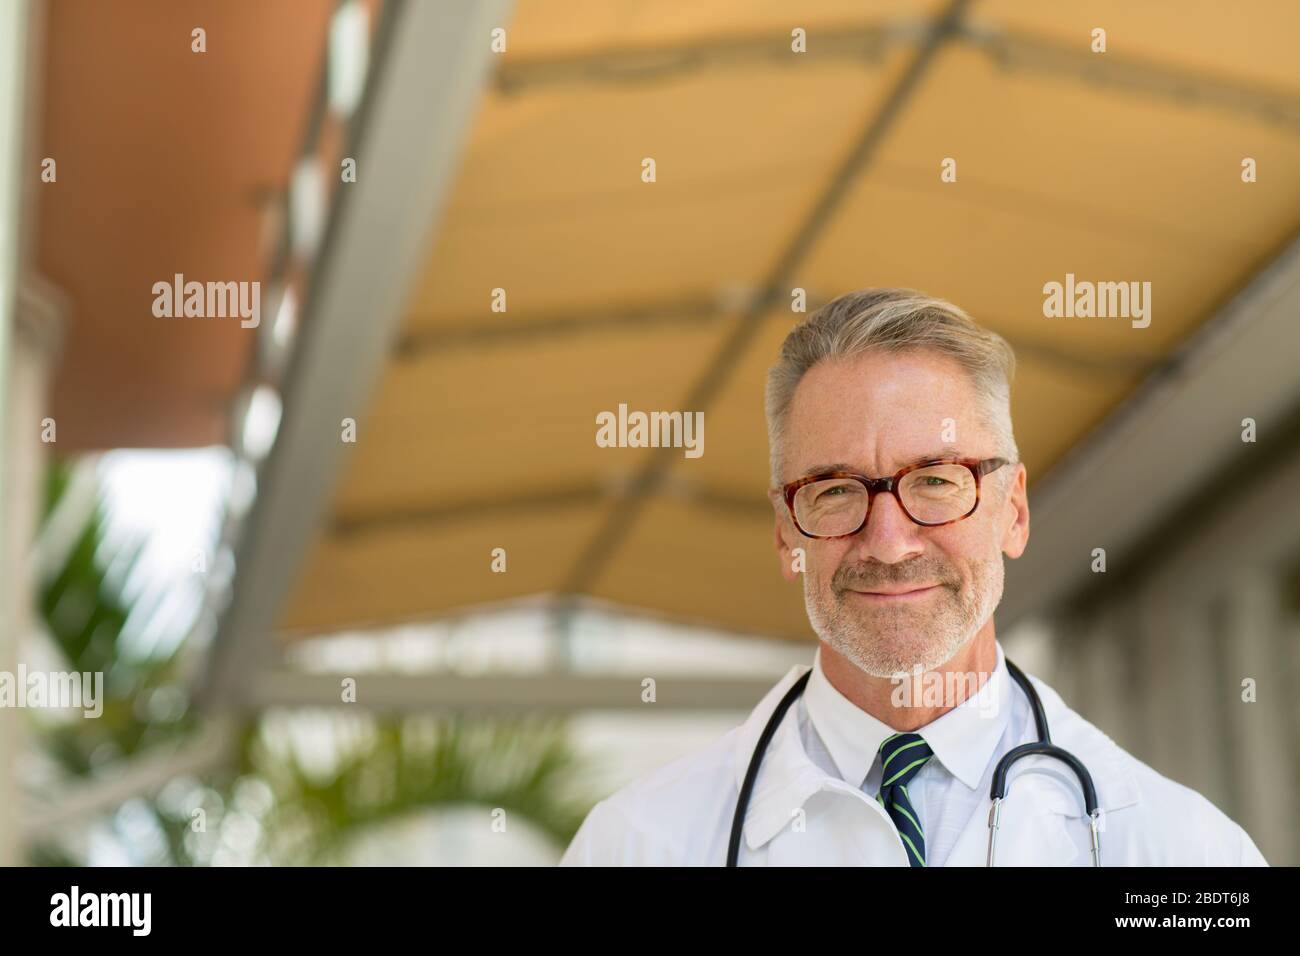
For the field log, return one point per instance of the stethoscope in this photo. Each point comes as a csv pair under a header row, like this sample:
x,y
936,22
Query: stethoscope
x,y
1042,746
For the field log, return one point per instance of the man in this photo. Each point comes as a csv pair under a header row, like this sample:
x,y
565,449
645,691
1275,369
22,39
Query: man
x,y
887,756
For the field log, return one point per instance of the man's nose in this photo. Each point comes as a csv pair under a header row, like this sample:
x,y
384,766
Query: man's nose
x,y
889,535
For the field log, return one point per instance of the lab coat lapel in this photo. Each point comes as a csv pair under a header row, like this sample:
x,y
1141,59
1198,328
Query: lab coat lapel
x,y
802,815
837,827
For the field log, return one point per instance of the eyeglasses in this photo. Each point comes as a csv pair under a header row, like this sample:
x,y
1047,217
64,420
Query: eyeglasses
x,y
932,493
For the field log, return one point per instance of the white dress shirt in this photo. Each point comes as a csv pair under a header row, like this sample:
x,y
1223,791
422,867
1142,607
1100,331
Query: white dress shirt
x,y
967,741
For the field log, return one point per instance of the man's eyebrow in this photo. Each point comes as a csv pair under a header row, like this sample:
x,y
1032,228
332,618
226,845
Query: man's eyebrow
x,y
946,452
823,469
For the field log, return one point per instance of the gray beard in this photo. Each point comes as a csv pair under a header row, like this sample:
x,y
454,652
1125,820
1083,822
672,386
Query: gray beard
x,y
889,641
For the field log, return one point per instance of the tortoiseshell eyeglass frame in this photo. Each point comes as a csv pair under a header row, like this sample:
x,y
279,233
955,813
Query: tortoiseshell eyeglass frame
x,y
979,467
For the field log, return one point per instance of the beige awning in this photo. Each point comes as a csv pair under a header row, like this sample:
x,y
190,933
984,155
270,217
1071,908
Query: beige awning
x,y
774,170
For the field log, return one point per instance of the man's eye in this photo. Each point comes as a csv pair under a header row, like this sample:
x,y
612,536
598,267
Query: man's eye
x,y
835,491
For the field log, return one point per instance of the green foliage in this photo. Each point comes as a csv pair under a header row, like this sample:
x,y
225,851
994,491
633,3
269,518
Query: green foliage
x,y
390,769
85,614
384,769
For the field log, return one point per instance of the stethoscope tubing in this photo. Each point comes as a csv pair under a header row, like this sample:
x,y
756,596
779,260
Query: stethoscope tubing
x,y
1043,746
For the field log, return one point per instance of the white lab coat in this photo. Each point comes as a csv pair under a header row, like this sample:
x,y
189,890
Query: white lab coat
x,y
800,815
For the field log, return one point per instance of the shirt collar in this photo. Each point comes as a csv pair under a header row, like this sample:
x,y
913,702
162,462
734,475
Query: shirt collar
x,y
851,735
963,739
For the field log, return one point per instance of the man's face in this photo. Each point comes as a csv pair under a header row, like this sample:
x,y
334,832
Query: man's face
x,y
876,413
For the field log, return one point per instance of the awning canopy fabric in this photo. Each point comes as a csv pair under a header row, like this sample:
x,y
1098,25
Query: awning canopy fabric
x,y
775,170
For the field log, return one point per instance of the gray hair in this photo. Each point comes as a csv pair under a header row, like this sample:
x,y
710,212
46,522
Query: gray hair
x,y
894,320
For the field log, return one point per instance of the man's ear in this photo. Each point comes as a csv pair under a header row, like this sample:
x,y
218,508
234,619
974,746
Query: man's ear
x,y
787,539
1016,516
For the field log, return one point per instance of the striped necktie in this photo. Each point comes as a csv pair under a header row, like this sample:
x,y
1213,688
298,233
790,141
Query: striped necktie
x,y
901,757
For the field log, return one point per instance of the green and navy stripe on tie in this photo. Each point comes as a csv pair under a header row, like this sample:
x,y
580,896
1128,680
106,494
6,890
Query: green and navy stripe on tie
x,y
901,757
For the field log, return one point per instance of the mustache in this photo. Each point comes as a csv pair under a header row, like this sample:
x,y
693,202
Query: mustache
x,y
866,576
